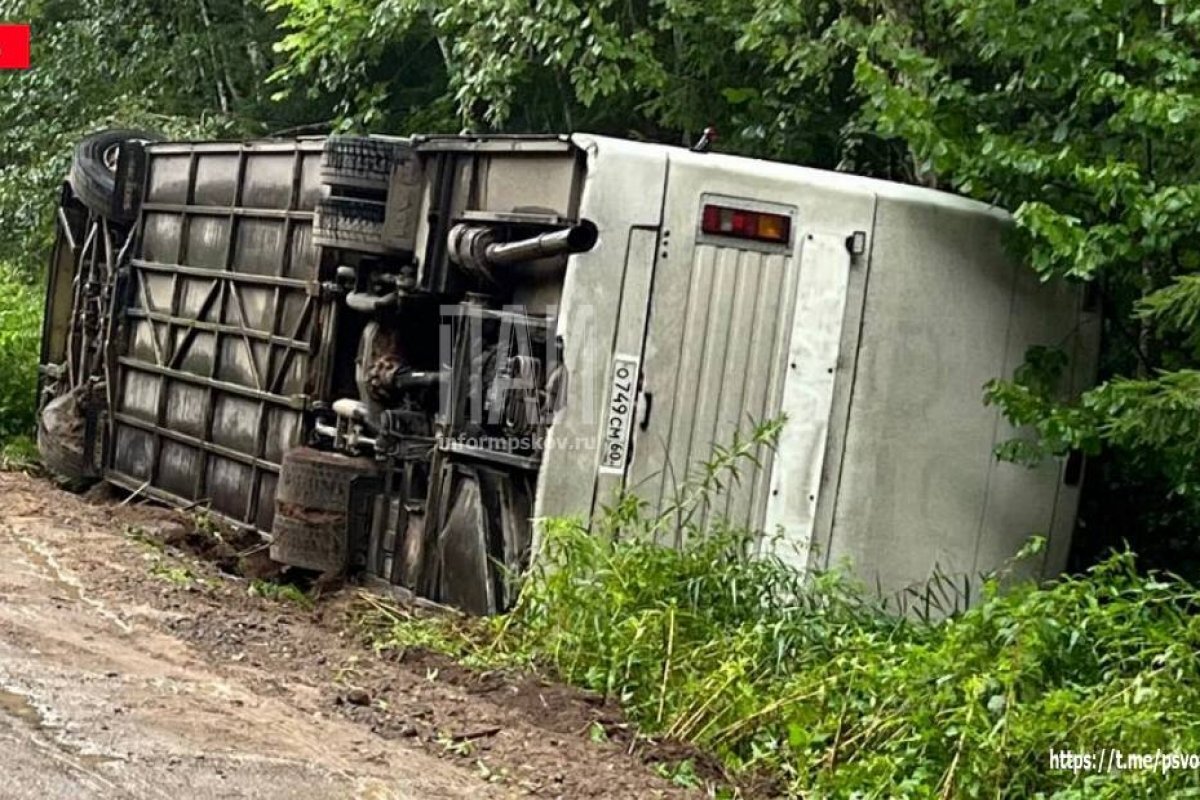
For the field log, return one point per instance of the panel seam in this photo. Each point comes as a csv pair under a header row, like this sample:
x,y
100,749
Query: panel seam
x,y
823,558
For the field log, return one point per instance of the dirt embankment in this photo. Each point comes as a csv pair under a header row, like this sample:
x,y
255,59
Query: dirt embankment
x,y
133,669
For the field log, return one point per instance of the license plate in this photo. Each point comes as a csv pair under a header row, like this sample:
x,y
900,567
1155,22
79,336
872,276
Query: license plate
x,y
622,397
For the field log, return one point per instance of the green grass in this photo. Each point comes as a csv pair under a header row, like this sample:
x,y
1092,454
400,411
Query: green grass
x,y
136,533
20,336
815,683
19,453
177,574
281,592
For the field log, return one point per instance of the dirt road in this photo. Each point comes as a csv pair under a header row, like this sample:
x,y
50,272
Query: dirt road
x,y
130,669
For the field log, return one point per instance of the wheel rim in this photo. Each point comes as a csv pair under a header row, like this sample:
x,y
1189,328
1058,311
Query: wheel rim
x,y
112,154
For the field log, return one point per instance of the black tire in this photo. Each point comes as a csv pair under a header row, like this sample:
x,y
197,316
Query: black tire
x,y
350,224
319,480
310,540
94,172
360,162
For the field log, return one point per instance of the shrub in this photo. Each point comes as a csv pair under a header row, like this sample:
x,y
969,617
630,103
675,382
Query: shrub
x,y
815,682
20,335
825,688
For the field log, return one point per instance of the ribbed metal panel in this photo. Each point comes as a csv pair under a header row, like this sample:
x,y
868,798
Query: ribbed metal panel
x,y
223,322
714,365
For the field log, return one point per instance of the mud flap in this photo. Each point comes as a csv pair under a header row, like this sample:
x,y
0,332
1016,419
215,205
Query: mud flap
x,y
66,436
483,536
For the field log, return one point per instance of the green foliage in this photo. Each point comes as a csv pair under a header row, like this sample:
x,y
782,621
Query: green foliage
x,y
387,627
19,453
765,73
189,70
193,69
381,60
178,575
1175,309
682,774
828,691
20,335
1082,118
281,592
136,533
1157,420
815,683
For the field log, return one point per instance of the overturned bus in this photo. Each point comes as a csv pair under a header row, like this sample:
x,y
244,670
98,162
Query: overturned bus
x,y
393,355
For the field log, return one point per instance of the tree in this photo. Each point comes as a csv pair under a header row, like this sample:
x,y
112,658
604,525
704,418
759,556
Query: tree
x,y
1082,118
656,69
189,69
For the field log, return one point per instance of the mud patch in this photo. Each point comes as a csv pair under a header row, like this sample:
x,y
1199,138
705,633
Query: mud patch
x,y
236,552
21,708
524,735
567,714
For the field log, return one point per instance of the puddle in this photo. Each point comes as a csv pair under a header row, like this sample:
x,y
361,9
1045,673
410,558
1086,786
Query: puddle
x,y
20,707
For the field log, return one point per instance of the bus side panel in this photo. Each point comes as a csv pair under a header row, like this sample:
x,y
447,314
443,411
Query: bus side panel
x,y
622,196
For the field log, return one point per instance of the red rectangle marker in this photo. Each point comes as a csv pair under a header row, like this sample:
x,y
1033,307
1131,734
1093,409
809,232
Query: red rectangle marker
x,y
14,46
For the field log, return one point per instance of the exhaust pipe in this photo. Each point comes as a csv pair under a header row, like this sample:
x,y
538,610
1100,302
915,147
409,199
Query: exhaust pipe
x,y
474,248
576,239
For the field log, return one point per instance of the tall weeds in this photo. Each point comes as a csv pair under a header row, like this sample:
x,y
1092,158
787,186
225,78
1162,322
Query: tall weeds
x,y
816,682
